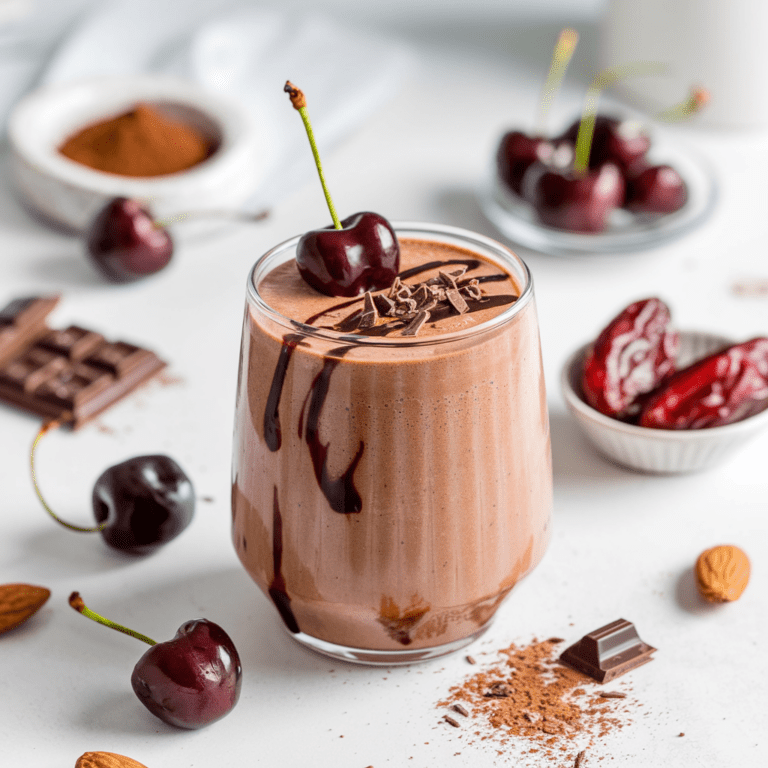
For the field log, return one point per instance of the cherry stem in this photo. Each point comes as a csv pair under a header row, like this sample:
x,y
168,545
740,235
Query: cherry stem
x,y
300,105
561,58
242,216
44,430
77,603
694,103
601,81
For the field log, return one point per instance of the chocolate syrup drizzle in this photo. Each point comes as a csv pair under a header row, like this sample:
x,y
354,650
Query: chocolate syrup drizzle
x,y
277,587
272,432
341,493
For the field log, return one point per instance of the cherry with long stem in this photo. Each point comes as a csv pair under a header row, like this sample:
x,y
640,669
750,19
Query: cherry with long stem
x,y
77,603
189,681
360,253
49,426
299,102
589,115
561,58
139,505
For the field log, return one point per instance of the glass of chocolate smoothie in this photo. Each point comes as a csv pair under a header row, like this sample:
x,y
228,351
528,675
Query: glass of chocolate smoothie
x,y
392,476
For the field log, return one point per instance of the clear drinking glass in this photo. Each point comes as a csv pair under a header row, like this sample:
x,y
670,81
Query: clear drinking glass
x,y
389,492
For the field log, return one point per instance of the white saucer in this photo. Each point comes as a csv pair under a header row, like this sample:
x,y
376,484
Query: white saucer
x,y
626,231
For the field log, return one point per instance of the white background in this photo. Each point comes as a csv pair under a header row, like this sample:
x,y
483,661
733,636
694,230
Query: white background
x,y
624,544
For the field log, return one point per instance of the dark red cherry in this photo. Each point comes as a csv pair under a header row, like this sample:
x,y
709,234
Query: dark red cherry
x,y
571,201
516,153
193,679
125,243
623,142
363,255
145,501
656,189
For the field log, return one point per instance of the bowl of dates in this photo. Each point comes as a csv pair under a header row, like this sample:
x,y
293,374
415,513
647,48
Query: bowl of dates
x,y
663,401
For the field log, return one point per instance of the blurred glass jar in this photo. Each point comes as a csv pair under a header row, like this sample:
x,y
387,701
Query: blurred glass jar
x,y
713,43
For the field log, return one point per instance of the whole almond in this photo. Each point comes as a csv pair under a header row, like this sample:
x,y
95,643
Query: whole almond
x,y
722,573
106,760
18,602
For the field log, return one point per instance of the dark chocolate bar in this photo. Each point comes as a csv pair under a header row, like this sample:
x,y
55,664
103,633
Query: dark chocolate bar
x,y
22,322
71,374
608,652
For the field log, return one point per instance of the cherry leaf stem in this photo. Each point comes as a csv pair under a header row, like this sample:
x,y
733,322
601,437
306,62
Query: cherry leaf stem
x,y
44,430
561,58
698,98
241,216
77,603
601,81
300,105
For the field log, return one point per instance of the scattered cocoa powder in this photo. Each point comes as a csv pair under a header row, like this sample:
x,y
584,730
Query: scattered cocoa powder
x,y
547,709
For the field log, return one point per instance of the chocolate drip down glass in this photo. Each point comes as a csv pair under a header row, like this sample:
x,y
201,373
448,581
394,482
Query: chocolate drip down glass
x,y
389,491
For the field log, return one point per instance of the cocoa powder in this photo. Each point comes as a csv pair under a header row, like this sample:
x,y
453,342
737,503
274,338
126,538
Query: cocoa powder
x,y
538,706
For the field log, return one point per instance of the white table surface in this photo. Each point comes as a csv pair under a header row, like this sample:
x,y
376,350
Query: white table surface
x,y
624,544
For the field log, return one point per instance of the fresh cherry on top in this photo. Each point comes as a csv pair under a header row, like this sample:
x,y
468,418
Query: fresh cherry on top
x,y
360,253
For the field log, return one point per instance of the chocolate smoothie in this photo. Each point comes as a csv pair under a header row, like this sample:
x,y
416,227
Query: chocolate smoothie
x,y
392,475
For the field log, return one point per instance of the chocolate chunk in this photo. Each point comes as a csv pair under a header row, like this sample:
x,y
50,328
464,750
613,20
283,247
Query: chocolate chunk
x,y
71,374
384,304
457,300
498,691
415,325
369,314
608,652
449,281
351,322
421,295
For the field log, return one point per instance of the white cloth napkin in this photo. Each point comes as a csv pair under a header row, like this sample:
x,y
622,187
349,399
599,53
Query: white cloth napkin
x,y
245,53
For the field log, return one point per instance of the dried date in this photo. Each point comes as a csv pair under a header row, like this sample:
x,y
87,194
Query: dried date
x,y
631,356
720,389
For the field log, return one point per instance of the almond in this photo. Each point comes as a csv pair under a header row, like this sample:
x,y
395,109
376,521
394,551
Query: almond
x,y
106,760
18,602
722,573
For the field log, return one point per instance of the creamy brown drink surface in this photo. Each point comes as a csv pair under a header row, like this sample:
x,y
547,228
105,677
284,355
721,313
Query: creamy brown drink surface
x,y
389,492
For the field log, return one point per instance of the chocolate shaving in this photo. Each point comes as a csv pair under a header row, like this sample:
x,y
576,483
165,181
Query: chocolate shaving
x,y
471,660
438,292
350,322
415,325
612,695
421,295
369,314
384,304
472,289
449,281
580,759
460,709
457,300
498,691
451,721
395,287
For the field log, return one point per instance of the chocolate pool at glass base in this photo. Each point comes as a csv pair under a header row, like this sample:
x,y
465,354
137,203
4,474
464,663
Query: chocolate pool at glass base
x,y
390,490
